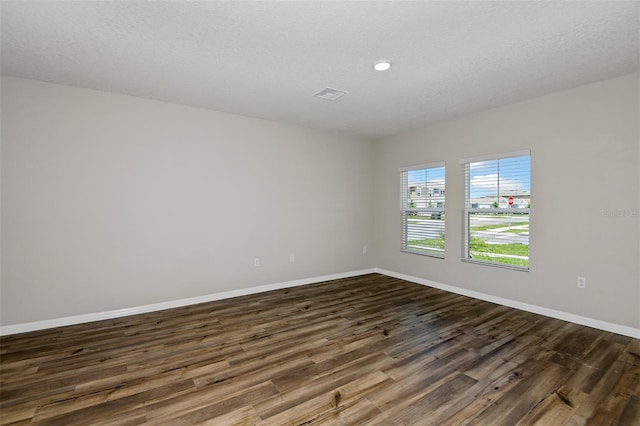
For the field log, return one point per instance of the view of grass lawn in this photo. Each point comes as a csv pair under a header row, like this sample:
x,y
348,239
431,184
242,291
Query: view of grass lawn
x,y
478,245
521,230
496,226
504,260
486,246
481,250
437,243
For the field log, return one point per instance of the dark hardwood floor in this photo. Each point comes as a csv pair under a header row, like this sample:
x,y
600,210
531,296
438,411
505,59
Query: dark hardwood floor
x,y
364,350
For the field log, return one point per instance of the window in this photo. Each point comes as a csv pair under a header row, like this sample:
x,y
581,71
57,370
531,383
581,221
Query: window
x,y
496,210
423,210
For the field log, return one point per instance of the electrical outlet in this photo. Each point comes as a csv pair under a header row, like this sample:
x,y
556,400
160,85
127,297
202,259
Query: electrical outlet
x,y
256,261
292,257
364,250
582,282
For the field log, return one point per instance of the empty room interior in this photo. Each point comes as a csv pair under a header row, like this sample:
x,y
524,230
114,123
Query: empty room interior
x,y
321,212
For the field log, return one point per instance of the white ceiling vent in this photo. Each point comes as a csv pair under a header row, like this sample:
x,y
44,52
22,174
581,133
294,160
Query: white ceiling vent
x,y
330,94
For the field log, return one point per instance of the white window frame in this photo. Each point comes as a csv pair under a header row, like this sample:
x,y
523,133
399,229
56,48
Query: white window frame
x,y
406,211
468,210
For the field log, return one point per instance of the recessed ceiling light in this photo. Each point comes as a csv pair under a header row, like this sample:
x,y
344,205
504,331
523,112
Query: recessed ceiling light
x,y
382,65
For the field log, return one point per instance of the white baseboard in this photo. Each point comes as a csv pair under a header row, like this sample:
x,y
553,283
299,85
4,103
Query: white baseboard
x,y
79,319
565,316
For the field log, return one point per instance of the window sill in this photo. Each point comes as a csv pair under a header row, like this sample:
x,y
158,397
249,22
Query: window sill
x,y
496,265
420,253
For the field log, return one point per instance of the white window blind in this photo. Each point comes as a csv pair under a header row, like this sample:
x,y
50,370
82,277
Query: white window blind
x,y
422,205
496,210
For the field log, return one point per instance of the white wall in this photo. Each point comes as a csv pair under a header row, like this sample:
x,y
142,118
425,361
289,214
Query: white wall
x,y
111,202
585,201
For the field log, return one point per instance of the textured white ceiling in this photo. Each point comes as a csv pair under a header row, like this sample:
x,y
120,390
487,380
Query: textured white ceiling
x,y
267,59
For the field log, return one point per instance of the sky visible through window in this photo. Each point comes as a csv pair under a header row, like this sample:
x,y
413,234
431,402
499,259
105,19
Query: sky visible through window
x,y
514,173
433,177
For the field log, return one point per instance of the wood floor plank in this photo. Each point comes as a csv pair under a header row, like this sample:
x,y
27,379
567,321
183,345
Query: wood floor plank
x,y
355,413
244,416
536,386
363,350
429,408
327,381
206,403
107,409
